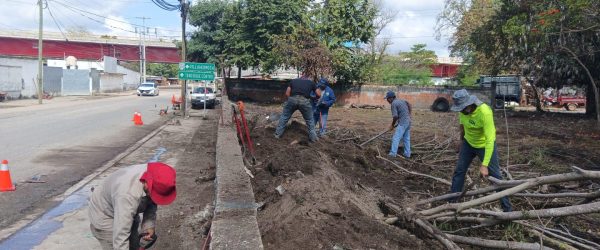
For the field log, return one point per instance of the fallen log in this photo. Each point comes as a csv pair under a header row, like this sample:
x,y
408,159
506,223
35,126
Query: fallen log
x,y
407,219
521,185
496,243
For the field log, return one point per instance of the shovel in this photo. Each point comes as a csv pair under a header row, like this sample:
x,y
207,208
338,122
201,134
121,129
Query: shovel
x,y
373,138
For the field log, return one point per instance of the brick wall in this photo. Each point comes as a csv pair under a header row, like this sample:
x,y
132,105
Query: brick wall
x,y
272,91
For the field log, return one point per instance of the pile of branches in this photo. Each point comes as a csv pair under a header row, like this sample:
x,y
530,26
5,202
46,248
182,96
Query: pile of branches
x,y
567,199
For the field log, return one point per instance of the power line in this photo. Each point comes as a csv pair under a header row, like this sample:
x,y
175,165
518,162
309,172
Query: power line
x,y
105,17
55,21
166,6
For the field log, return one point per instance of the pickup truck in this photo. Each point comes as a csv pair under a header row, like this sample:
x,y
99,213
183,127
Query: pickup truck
x,y
201,95
570,103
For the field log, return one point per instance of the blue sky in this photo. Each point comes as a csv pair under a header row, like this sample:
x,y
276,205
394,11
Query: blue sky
x,y
414,22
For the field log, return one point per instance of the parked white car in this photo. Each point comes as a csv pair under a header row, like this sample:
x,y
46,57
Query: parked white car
x,y
148,88
200,95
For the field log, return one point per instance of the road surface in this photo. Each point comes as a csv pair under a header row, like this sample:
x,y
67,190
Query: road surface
x,y
65,140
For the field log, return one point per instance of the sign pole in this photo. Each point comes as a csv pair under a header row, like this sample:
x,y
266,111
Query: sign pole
x,y
183,57
205,100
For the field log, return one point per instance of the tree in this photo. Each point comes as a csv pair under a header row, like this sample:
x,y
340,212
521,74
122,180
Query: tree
x,y
303,51
207,16
554,42
244,33
377,45
163,69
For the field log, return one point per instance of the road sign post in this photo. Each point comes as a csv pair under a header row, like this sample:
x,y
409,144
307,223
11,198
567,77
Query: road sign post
x,y
197,72
198,76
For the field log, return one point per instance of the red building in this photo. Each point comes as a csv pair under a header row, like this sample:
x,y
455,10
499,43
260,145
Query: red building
x,y
446,67
88,47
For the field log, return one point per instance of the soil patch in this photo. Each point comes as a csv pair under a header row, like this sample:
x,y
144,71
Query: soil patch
x,y
333,188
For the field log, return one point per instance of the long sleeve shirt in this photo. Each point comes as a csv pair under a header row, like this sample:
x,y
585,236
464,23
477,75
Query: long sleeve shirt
x,y
327,98
114,204
480,131
401,111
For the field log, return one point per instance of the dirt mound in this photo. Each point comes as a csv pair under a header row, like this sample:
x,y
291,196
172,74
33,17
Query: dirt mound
x,y
331,194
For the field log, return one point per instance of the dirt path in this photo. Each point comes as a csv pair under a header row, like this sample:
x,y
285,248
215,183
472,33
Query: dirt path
x,y
333,188
183,224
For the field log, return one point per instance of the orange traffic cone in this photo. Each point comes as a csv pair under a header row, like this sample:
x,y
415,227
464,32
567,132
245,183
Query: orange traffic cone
x,y
5,181
137,119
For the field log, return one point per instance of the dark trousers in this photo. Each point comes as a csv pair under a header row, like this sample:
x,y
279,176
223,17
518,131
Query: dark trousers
x,y
297,103
467,153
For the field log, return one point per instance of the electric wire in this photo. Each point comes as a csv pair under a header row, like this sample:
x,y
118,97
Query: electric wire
x,y
55,21
66,5
166,6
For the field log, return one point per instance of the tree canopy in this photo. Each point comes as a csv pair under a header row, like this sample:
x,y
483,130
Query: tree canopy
x,y
553,42
252,34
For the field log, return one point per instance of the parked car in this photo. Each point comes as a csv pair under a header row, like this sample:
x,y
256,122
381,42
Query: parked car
x,y
148,88
200,95
570,103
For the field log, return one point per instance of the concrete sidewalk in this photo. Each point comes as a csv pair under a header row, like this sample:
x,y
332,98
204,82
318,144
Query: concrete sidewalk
x,y
66,226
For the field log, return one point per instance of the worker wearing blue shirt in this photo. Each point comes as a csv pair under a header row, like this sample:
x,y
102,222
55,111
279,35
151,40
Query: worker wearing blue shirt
x,y
321,112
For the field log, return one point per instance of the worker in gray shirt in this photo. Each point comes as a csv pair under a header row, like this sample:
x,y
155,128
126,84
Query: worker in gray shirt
x,y
401,121
115,205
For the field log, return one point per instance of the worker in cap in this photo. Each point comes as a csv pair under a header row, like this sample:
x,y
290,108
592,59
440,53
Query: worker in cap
x,y
401,121
115,205
322,105
477,138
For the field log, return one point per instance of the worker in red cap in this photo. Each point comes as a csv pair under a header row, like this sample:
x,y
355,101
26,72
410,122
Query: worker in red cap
x,y
115,205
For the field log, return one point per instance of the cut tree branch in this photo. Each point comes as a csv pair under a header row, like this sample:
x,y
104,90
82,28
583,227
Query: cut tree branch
x,y
578,174
496,243
415,173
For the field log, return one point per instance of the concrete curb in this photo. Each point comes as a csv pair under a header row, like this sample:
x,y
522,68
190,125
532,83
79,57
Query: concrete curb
x,y
234,225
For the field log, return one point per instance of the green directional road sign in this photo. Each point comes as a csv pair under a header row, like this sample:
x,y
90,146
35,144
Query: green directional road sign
x,y
197,76
188,66
196,71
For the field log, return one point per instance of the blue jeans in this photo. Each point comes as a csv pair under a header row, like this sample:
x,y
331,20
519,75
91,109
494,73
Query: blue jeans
x,y
466,155
297,103
402,133
320,117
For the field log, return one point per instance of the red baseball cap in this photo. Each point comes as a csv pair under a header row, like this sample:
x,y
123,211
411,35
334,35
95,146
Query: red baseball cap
x,y
160,179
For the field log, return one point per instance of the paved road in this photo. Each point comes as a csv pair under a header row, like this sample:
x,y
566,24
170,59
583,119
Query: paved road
x,y
64,141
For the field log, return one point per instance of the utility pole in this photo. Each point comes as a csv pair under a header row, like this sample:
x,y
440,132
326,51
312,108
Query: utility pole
x,y
143,48
40,77
184,8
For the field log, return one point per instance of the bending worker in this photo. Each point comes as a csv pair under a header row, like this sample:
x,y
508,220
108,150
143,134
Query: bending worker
x,y
321,107
298,93
401,121
478,138
115,205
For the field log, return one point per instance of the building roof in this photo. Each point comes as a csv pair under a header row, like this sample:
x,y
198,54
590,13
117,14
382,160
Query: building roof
x,y
450,60
89,38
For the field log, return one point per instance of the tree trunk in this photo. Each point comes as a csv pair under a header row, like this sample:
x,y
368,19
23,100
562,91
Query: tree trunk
x,y
538,102
239,72
590,106
592,85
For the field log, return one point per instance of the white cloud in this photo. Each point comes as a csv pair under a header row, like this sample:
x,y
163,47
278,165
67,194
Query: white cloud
x,y
414,23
